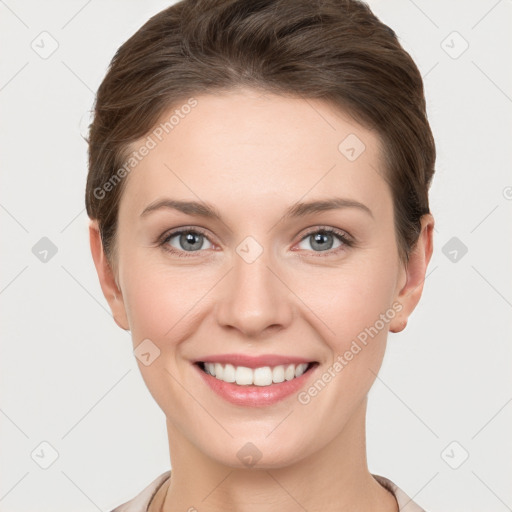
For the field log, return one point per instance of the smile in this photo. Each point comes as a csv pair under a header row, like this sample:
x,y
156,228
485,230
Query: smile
x,y
260,376
250,381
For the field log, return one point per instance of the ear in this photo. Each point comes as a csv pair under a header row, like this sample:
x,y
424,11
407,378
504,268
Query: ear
x,y
410,294
106,276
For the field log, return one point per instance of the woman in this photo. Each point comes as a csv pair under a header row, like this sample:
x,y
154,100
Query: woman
x,y
258,194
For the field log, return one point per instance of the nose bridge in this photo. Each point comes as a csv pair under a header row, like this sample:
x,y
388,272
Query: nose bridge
x,y
254,297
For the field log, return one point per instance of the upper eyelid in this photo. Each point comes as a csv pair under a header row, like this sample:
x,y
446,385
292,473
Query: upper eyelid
x,y
314,229
185,229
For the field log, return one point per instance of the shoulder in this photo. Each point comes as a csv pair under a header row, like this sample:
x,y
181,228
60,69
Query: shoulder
x,y
404,502
141,502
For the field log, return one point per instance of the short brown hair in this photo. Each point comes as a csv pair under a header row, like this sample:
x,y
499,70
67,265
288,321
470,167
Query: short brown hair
x,y
334,50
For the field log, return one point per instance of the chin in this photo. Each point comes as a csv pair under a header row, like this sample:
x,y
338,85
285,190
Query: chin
x,y
258,454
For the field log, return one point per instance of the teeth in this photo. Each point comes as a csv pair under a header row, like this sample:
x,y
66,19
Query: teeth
x,y
243,375
229,373
263,376
289,373
278,374
300,369
219,371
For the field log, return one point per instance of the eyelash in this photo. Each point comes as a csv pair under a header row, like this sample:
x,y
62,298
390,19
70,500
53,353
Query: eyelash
x,y
342,237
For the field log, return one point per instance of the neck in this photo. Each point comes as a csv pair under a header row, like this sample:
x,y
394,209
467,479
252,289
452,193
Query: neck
x,y
335,478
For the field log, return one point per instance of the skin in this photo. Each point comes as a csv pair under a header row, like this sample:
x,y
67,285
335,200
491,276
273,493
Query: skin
x,y
252,156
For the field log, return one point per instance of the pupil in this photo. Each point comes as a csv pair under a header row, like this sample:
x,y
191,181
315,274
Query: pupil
x,y
320,239
188,240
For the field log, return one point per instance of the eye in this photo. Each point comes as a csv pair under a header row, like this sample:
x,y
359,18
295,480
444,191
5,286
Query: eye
x,y
327,240
185,240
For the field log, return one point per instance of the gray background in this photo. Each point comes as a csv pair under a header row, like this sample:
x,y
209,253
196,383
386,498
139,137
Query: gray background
x,y
68,377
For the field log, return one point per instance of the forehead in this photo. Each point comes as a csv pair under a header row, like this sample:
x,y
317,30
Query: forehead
x,y
256,148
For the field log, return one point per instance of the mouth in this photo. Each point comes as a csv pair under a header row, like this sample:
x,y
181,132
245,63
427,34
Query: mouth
x,y
254,380
261,376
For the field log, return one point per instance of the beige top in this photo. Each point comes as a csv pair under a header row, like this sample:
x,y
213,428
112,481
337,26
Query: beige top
x,y
141,502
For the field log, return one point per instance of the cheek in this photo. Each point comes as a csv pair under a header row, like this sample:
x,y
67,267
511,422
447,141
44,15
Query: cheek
x,y
357,310
351,301
160,307
148,306
162,302
155,303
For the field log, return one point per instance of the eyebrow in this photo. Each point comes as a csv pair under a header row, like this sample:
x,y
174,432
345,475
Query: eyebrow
x,y
206,210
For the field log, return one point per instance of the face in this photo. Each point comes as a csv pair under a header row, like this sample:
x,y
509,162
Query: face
x,y
283,276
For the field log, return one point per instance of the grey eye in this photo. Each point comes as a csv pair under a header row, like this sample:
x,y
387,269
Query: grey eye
x,y
188,241
322,241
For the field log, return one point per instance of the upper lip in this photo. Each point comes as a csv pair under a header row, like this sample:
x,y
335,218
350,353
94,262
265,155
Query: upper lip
x,y
253,361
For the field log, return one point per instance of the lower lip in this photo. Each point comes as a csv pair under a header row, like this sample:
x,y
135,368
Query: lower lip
x,y
255,396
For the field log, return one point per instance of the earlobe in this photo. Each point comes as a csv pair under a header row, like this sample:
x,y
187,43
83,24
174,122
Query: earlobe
x,y
410,293
107,279
398,325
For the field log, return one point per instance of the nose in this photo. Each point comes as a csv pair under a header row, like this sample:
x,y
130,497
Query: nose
x,y
255,298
